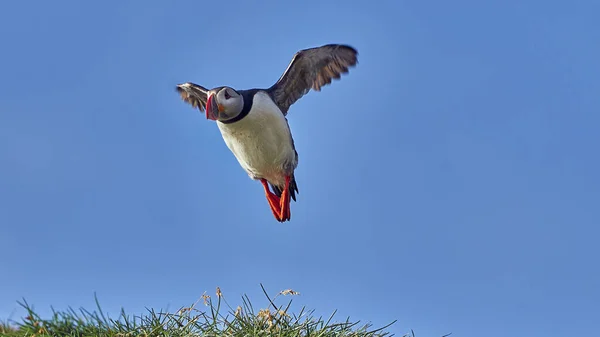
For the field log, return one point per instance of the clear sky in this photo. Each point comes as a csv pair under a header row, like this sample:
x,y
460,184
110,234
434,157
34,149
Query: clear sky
x,y
450,181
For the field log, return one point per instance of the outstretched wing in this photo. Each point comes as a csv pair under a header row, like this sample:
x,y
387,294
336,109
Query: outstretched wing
x,y
194,94
311,69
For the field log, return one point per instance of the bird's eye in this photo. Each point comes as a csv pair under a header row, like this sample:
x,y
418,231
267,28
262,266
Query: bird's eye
x,y
227,95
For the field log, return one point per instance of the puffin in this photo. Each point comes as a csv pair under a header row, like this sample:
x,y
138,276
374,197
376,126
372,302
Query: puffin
x,y
254,125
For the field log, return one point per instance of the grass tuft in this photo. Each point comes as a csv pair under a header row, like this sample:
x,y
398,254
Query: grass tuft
x,y
212,317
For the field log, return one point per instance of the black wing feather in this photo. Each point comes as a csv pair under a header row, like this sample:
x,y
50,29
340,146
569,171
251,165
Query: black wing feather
x,y
193,94
312,69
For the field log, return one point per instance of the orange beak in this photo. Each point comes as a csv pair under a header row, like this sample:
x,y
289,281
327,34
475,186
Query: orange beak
x,y
212,109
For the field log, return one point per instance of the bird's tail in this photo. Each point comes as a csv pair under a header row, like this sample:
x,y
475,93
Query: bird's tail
x,y
293,188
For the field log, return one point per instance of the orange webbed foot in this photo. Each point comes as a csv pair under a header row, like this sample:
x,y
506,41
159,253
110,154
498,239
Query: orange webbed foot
x,y
279,206
285,212
274,201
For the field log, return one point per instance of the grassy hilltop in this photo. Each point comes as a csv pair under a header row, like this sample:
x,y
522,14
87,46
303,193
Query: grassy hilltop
x,y
207,317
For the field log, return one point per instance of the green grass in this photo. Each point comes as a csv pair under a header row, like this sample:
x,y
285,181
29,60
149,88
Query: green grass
x,y
207,317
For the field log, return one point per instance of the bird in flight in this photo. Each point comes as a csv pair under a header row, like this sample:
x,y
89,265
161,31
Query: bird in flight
x,y
253,122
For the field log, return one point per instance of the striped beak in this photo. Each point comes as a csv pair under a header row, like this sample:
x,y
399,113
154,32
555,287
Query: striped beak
x,y
212,108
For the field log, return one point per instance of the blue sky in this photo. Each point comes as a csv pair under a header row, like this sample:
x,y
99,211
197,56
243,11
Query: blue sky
x,y
450,181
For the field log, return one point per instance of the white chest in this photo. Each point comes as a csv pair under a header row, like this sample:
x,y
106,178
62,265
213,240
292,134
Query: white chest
x,y
261,141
